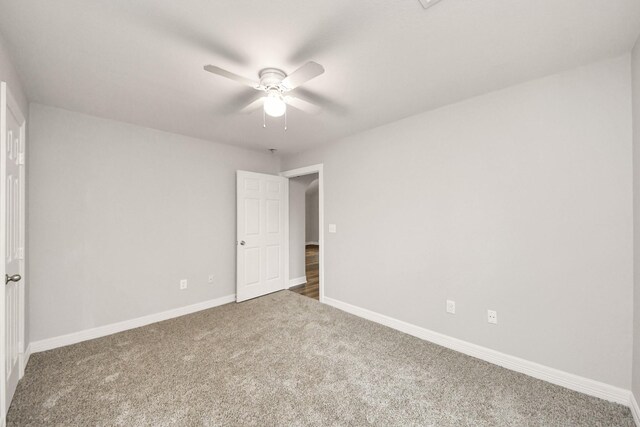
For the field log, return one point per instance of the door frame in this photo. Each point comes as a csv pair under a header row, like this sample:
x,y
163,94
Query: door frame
x,y
7,101
294,173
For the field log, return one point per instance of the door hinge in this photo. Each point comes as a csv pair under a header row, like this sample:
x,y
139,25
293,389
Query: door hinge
x,y
21,159
21,253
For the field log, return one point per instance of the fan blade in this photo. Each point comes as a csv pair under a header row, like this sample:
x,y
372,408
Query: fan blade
x,y
253,106
303,105
224,73
302,75
328,105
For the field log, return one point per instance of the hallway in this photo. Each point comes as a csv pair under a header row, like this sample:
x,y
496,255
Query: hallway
x,y
310,289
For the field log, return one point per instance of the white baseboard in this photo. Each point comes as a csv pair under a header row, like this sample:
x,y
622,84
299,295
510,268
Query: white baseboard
x,y
298,281
635,410
101,331
312,243
545,373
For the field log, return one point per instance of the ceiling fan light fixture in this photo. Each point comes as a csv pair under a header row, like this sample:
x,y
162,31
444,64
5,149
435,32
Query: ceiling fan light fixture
x,y
274,104
275,84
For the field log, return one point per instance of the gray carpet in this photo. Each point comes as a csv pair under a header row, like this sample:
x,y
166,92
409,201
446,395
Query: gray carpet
x,y
285,359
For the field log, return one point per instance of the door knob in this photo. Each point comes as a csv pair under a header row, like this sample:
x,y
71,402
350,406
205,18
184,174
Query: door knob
x,y
243,243
14,278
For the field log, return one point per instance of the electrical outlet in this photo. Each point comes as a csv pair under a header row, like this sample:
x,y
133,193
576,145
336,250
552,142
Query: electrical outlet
x,y
492,316
183,284
333,228
211,277
451,306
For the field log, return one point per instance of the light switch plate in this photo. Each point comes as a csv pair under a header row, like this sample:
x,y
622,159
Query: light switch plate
x,y
332,228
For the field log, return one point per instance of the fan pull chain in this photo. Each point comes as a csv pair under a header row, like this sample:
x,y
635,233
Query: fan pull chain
x,y
285,120
264,119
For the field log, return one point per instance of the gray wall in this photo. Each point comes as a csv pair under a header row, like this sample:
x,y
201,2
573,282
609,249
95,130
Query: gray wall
x,y
9,74
297,224
312,199
518,201
120,214
635,68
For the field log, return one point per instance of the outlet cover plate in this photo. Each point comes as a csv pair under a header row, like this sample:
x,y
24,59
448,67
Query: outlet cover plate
x,y
492,317
451,306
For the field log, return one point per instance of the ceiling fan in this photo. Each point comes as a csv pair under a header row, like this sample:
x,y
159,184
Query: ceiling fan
x,y
276,85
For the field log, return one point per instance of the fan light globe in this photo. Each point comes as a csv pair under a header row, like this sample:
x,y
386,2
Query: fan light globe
x,y
274,105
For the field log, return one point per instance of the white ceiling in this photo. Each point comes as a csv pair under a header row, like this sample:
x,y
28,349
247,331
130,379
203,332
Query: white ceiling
x,y
141,62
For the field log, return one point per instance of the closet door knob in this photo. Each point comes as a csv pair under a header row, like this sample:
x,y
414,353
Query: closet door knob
x,y
14,278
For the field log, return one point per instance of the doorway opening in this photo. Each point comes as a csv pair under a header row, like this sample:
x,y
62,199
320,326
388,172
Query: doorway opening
x,y
311,288
303,236
305,249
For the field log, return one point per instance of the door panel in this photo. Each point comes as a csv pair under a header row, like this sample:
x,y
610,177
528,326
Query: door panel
x,y
260,234
273,262
252,217
273,216
12,145
252,266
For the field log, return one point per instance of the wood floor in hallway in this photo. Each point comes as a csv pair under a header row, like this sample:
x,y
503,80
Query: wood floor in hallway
x,y
310,289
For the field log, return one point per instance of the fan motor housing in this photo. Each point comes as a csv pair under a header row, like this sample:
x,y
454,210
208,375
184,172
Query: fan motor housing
x,y
271,77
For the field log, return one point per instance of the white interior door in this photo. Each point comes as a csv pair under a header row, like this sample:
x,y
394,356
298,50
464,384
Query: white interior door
x,y
261,234
12,222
